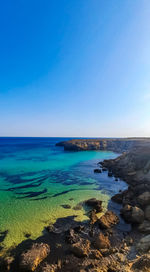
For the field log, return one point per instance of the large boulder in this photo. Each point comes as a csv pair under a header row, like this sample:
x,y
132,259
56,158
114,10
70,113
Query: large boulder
x,y
81,248
95,204
108,220
34,256
147,212
117,198
144,244
144,199
133,215
144,227
101,241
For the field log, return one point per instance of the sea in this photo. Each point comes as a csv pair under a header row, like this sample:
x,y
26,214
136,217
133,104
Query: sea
x,y
40,182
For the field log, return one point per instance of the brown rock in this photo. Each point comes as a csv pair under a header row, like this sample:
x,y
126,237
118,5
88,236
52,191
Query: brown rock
x,y
81,249
117,198
132,214
142,264
95,254
95,204
101,241
93,217
34,256
108,220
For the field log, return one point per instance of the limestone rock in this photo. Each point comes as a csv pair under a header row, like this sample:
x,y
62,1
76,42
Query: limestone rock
x,y
108,220
81,248
101,241
95,204
142,264
34,256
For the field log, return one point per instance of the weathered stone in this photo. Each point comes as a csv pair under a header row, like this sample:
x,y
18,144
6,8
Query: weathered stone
x,y
95,254
101,241
95,204
117,198
144,199
93,217
34,256
81,249
132,214
108,220
147,212
145,227
71,237
144,244
142,264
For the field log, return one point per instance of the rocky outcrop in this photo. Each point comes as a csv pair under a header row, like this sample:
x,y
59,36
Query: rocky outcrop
x,y
116,145
34,256
108,220
144,244
101,241
132,214
81,248
95,204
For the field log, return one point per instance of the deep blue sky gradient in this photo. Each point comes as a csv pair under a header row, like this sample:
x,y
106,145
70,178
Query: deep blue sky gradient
x,y
75,68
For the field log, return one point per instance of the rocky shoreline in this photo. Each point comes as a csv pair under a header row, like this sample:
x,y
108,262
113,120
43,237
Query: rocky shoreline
x,y
97,245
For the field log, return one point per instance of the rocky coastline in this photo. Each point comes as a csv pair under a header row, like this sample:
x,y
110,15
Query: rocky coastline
x,y
97,245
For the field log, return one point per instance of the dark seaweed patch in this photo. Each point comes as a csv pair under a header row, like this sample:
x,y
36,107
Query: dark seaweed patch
x,y
3,235
41,198
31,194
34,184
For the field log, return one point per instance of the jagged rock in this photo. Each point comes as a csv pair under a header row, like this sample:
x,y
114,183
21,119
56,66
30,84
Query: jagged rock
x,y
108,220
128,240
132,214
50,268
97,170
142,264
147,212
93,217
117,198
101,241
95,254
72,237
34,256
95,204
144,199
144,244
81,248
144,227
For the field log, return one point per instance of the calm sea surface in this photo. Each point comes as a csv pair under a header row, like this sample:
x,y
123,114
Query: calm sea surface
x,y
37,178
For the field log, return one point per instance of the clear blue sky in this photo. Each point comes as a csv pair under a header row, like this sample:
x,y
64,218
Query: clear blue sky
x,y
75,68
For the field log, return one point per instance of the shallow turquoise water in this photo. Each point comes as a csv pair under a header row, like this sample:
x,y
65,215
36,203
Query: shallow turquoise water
x,y
36,178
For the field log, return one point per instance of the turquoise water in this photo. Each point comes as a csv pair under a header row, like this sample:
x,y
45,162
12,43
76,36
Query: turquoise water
x,y
37,178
